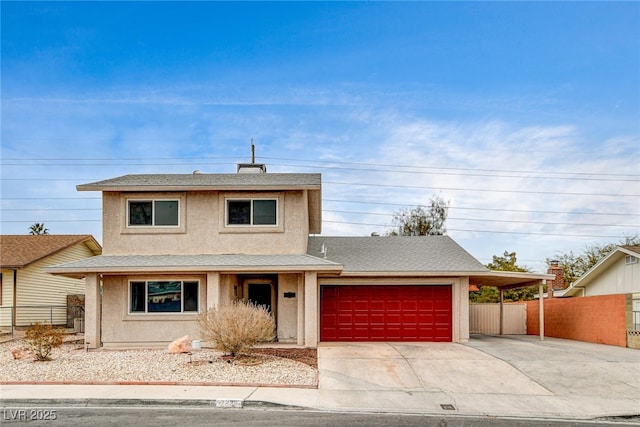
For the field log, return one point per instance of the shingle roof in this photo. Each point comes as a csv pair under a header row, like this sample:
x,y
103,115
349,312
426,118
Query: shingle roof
x,y
158,182
632,248
396,254
18,251
204,262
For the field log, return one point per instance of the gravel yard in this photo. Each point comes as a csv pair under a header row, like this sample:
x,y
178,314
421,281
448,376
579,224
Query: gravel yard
x,y
71,363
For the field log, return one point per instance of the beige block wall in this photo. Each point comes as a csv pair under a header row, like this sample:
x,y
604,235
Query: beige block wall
x,y
202,229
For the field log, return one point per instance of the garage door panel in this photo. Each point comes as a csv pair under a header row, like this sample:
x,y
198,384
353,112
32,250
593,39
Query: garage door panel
x,y
385,313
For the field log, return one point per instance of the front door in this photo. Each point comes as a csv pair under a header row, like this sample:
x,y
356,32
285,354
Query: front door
x,y
260,294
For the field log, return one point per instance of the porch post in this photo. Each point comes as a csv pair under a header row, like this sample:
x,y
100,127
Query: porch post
x,y
213,290
311,309
300,324
541,310
501,311
93,312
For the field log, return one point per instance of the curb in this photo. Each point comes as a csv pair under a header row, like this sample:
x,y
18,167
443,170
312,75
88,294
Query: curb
x,y
222,403
178,383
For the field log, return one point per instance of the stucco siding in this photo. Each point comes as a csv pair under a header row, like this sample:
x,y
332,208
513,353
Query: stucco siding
x,y
122,329
620,278
288,307
37,291
202,229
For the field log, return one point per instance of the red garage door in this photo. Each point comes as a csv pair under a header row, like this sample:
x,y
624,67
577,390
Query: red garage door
x,y
385,313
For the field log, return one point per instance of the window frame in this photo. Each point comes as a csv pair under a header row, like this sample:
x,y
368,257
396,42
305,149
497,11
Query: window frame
x,y
251,201
126,198
146,311
153,202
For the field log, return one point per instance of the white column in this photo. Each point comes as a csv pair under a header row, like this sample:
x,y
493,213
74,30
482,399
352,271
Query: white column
x,y
300,325
92,312
213,290
311,309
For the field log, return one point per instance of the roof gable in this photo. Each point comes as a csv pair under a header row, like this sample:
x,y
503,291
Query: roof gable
x,y
396,254
18,251
601,266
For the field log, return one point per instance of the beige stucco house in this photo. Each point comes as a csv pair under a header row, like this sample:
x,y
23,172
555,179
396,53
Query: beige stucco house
x,y
28,294
178,245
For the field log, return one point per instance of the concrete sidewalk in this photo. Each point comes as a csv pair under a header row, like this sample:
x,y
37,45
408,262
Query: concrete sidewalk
x,y
491,376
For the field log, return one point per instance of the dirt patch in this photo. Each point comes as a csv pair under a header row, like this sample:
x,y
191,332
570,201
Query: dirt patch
x,y
308,356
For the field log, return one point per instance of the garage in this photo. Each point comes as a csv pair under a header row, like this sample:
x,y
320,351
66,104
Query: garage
x,y
385,313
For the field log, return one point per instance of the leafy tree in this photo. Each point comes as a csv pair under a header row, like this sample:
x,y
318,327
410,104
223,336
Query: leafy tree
x,y
37,229
507,262
575,265
422,221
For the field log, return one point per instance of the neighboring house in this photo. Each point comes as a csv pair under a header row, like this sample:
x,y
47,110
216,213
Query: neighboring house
x,y
27,293
178,245
616,273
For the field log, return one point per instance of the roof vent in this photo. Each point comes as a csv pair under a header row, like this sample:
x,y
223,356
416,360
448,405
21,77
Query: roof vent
x,y
197,172
252,167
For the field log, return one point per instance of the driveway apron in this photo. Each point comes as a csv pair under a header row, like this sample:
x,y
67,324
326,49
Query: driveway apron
x,y
417,367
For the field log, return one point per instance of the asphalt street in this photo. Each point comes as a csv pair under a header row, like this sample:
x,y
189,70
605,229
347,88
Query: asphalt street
x,y
158,416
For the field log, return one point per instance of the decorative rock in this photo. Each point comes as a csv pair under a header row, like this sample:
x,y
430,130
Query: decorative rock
x,y
181,345
18,353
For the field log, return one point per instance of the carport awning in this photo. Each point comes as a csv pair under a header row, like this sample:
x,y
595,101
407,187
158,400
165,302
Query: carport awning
x,y
509,279
505,280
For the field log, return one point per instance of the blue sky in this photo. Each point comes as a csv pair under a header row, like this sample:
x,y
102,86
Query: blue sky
x,y
524,116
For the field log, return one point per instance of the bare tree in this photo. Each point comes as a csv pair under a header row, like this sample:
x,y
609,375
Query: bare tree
x,y
422,221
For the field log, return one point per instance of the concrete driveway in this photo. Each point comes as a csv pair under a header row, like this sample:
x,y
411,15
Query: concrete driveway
x,y
516,375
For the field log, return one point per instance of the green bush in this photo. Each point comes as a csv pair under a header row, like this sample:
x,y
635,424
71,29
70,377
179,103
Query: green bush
x,y
235,329
41,339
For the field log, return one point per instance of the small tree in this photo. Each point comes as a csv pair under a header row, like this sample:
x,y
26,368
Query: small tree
x,y
37,229
421,221
236,328
42,339
489,294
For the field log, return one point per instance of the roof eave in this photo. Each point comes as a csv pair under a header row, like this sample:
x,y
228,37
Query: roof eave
x,y
236,187
83,271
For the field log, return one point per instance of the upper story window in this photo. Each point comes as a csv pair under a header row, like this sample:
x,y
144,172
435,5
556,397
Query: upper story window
x,y
257,212
630,259
153,213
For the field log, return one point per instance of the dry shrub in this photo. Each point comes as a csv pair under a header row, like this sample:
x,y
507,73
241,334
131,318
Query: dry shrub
x,y
41,339
236,328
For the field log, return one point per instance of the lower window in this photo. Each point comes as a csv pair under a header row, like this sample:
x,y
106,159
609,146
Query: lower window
x,y
172,296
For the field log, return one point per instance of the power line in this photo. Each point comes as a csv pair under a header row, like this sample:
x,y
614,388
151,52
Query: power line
x,y
486,209
480,189
498,220
568,175
486,231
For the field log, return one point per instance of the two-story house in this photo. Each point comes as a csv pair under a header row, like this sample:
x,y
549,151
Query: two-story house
x,y
175,246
